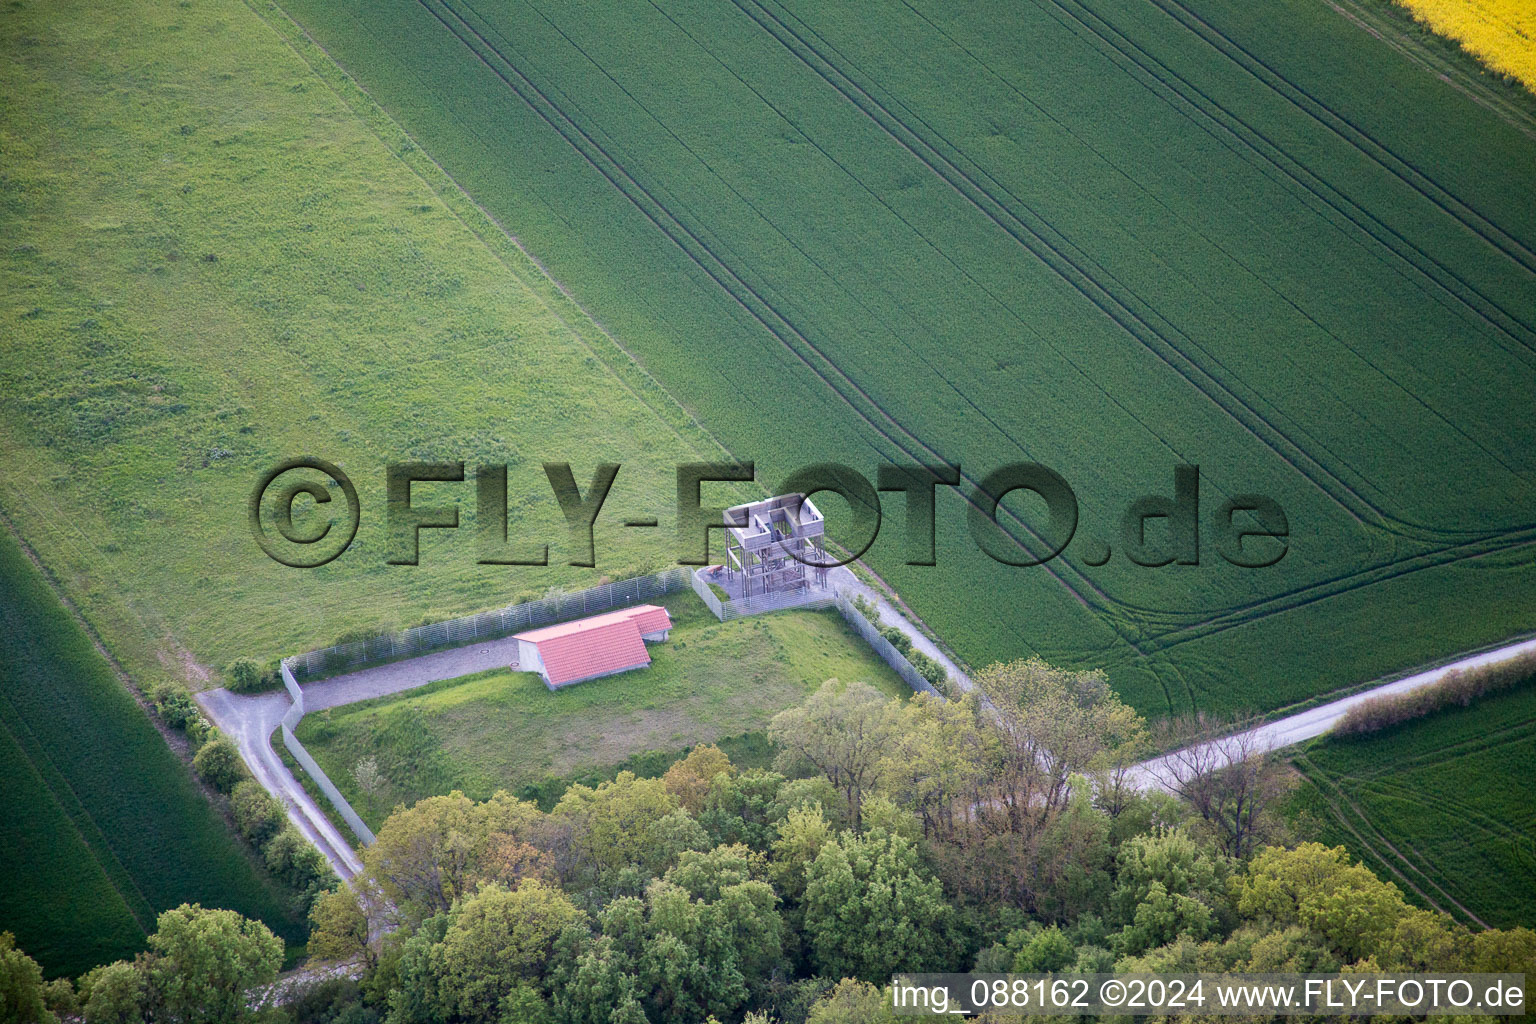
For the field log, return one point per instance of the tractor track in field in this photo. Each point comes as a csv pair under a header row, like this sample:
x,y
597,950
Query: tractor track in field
x,y
897,335
1049,247
746,293
1362,141
1279,161
1394,859
1254,275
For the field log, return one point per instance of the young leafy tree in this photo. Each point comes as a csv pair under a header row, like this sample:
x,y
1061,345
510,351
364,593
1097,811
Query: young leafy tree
x,y
853,1002
430,854
872,908
21,985
207,961
1050,724
689,779
339,927
499,941
616,825
219,764
113,994
1166,886
841,732
1321,889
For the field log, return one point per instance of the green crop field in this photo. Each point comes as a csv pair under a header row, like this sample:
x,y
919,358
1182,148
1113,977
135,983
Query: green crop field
x,y
101,827
1440,806
214,263
1108,238
506,730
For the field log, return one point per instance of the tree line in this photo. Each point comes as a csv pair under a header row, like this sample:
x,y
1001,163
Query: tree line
x,y
889,836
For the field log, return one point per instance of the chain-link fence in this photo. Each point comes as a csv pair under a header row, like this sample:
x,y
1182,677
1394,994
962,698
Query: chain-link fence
x,y
494,625
883,647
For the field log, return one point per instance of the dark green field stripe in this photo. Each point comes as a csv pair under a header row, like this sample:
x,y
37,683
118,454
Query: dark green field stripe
x,y
68,802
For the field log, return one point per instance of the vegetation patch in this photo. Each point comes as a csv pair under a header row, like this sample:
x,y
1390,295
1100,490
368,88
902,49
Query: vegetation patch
x,y
506,730
1439,805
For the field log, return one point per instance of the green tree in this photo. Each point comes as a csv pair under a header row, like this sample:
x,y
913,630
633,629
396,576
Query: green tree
x,y
113,994
1167,885
21,985
218,764
841,732
1319,888
1045,952
742,808
207,961
689,778
616,824
339,927
257,814
498,939
430,854
871,909
853,1002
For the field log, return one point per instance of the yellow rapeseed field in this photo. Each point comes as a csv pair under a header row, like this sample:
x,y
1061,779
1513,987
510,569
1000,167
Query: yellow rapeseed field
x,y
1500,33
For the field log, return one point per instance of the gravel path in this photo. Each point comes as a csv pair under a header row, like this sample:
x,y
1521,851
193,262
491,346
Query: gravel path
x,y
250,720
1306,725
842,578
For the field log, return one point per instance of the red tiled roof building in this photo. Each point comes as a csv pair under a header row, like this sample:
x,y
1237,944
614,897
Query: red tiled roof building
x,y
599,645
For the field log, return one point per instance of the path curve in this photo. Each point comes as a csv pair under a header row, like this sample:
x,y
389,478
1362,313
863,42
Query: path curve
x,y
250,722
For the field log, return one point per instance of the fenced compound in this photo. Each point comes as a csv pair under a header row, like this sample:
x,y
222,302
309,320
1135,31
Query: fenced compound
x,y
883,647
436,636
506,621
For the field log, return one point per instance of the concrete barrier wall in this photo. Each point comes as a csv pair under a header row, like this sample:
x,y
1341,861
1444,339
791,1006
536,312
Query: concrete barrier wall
x,y
327,787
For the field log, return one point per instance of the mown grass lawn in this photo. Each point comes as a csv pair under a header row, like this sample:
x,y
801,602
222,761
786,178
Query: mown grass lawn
x,y
506,730
1440,806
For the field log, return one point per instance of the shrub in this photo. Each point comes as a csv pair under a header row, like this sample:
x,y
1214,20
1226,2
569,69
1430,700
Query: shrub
x,y
1456,689
258,816
244,676
219,764
176,707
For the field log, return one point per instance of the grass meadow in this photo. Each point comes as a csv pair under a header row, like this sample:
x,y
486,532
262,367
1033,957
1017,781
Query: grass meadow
x,y
1107,238
1440,806
101,826
213,263
710,681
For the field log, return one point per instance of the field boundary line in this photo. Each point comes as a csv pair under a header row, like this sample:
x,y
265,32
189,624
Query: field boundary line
x,y
1443,67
